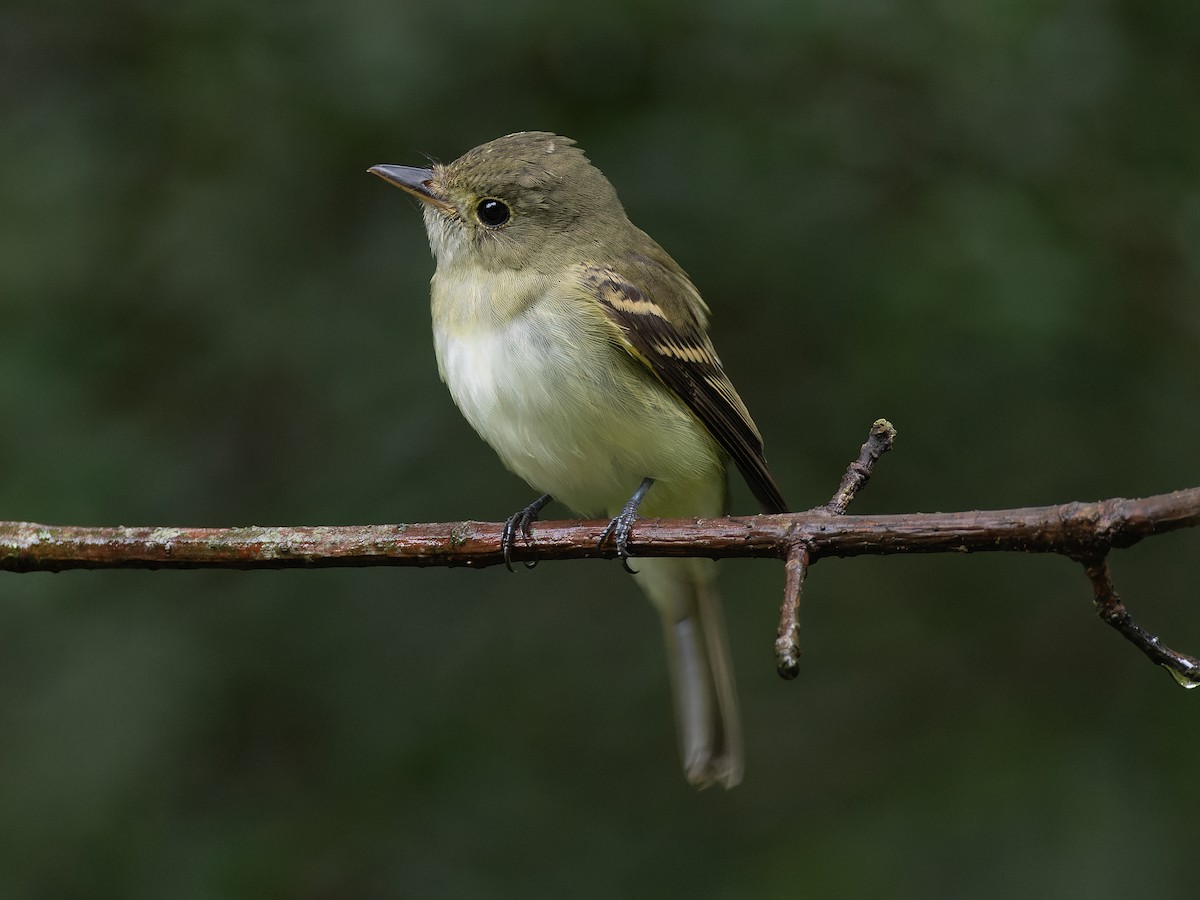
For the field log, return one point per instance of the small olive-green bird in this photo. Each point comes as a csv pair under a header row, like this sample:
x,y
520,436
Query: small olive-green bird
x,y
578,349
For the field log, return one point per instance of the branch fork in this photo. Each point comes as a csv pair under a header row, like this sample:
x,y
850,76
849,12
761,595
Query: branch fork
x,y
800,555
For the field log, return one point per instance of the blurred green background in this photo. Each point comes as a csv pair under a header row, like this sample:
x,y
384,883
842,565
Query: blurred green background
x,y
980,220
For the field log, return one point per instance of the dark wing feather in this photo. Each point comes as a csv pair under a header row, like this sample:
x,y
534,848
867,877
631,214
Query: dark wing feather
x,y
675,347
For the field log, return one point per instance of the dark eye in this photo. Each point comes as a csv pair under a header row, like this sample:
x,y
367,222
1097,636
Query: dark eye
x,y
492,212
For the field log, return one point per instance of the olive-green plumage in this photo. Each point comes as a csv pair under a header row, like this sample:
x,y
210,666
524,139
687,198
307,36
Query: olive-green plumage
x,y
578,349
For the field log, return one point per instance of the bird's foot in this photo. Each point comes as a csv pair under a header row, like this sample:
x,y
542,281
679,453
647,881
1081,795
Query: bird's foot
x,y
621,527
519,523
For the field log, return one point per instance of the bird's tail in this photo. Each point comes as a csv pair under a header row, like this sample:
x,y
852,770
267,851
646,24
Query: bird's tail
x,y
706,712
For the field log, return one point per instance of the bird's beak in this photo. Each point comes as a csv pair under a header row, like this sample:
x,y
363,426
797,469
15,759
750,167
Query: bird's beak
x,y
416,181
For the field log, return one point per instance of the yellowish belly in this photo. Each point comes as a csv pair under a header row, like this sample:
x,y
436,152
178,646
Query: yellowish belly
x,y
580,419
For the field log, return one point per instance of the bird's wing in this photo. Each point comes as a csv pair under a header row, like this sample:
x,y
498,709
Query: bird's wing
x,y
670,340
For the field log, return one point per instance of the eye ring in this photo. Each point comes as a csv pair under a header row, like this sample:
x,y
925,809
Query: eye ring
x,y
492,213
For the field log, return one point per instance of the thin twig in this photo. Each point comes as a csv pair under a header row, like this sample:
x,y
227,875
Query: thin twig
x,y
787,643
858,473
800,553
1183,668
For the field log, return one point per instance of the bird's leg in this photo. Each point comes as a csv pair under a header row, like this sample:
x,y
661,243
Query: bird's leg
x,y
518,523
622,524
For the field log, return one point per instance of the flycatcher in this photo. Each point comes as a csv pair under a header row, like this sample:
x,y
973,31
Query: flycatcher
x,y
578,349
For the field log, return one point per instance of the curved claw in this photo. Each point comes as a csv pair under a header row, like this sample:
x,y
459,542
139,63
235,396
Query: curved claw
x,y
519,523
621,527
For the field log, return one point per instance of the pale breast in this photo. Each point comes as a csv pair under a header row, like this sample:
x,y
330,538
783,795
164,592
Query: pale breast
x,y
575,416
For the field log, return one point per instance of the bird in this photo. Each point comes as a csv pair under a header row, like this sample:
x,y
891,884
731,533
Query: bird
x,y
578,349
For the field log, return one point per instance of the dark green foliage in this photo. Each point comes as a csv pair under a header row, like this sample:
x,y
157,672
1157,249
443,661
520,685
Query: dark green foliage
x,y
979,220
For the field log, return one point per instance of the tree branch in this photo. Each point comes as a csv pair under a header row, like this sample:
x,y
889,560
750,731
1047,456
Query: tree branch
x,y
1075,530
1083,532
